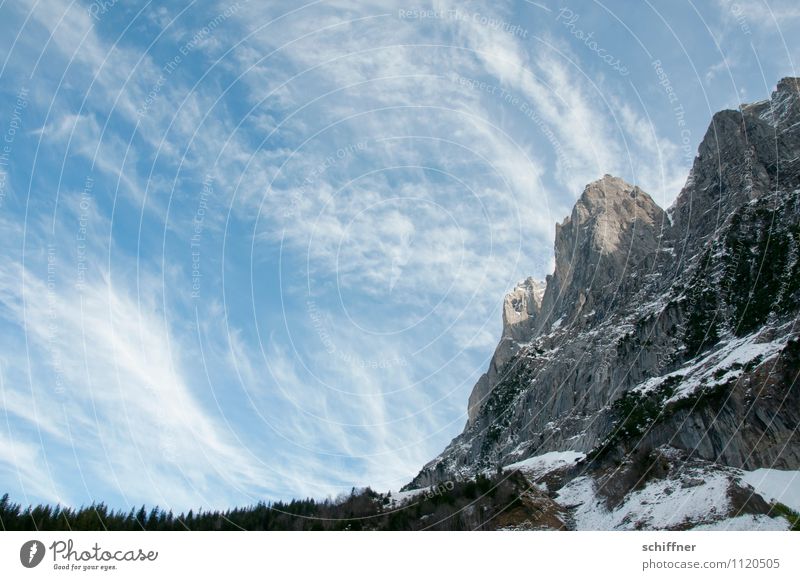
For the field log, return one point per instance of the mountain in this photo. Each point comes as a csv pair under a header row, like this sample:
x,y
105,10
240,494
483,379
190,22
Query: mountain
x,y
650,382
661,356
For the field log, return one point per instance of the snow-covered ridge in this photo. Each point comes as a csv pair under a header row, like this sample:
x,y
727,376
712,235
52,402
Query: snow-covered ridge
x,y
691,494
780,108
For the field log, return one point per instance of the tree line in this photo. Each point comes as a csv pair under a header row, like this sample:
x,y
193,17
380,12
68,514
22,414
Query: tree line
x,y
462,505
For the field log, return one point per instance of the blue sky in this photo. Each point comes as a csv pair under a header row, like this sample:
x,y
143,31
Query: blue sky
x,y
258,250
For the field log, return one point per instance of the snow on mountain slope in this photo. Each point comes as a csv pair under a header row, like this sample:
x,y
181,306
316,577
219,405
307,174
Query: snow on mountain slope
x,y
724,364
686,494
776,485
745,524
660,505
541,465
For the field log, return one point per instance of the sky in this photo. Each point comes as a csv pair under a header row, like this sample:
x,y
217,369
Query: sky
x,y
258,250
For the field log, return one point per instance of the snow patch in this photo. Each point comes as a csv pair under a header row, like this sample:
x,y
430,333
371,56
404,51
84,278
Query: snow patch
x,y
776,485
718,368
544,464
400,497
748,523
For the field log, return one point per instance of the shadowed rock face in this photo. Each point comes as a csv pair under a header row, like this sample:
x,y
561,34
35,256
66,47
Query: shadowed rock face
x,y
653,332
744,155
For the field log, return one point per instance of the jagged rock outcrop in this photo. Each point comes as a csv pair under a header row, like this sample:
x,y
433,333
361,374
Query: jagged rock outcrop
x,y
744,155
521,309
614,228
658,328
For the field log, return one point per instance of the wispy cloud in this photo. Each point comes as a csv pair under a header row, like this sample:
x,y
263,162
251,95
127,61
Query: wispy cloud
x,y
120,378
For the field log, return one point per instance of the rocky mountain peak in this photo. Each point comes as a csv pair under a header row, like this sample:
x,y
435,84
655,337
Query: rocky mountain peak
x,y
521,311
606,209
613,227
626,360
783,105
738,162
521,308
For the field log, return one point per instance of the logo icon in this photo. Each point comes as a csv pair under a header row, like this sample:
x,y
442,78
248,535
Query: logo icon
x,y
31,553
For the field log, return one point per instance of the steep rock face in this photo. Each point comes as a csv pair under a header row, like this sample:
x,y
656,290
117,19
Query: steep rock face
x,y
521,309
549,393
649,334
744,155
614,228
780,110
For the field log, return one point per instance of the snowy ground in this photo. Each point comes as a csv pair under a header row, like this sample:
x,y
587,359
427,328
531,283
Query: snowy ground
x,y
747,523
400,497
661,504
775,485
696,497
